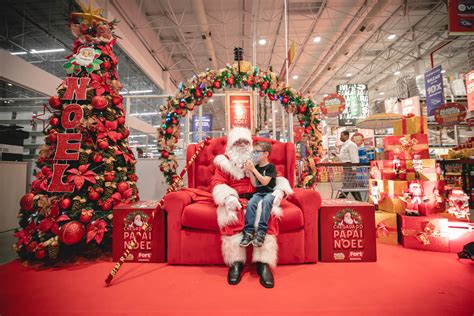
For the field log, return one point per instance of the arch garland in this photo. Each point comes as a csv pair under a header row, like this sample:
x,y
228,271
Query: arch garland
x,y
199,89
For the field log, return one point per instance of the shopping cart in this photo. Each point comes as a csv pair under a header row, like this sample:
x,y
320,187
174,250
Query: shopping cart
x,y
346,179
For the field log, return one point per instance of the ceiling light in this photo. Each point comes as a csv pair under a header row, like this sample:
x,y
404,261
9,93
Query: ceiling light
x,y
262,42
443,71
381,93
391,36
396,73
34,51
349,75
317,39
142,114
295,77
18,53
139,91
325,95
211,100
9,84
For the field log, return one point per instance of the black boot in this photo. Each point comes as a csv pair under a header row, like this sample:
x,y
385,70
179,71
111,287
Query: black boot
x,y
266,275
235,273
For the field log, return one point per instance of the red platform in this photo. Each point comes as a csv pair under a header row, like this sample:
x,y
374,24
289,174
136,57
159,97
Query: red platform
x,y
128,221
347,231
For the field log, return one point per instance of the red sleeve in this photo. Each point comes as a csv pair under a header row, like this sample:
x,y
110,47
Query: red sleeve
x,y
218,178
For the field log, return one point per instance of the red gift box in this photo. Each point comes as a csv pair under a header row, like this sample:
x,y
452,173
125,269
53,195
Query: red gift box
x,y
460,232
405,147
432,199
128,222
424,232
347,231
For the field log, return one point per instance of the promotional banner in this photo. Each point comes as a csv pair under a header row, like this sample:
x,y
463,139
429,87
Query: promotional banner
x,y
450,114
411,105
297,133
206,126
239,110
461,17
357,103
332,105
470,90
434,90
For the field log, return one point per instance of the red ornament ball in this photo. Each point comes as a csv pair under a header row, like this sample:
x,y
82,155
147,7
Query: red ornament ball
x,y
174,122
117,99
209,93
190,107
182,104
302,109
107,204
109,176
122,186
53,135
121,120
55,102
54,121
32,246
71,233
93,195
307,130
261,94
179,112
197,93
97,158
264,85
26,202
103,144
165,154
106,64
169,130
125,133
198,103
85,216
230,81
216,84
99,102
285,99
40,253
65,203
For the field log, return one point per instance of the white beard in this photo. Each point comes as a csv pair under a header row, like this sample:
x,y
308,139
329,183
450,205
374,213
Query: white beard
x,y
239,155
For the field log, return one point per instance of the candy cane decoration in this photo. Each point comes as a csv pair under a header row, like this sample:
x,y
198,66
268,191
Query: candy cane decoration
x,y
174,187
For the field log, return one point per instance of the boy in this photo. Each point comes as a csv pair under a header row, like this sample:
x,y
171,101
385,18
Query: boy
x,y
263,178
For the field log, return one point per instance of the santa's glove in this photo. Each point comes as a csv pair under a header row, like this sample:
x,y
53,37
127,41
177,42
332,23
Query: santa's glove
x,y
232,203
279,195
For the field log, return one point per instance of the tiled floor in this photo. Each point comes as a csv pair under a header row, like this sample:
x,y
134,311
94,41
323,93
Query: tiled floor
x,y
6,251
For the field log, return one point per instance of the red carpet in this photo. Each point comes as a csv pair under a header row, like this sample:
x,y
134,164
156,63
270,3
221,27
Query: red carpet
x,y
402,282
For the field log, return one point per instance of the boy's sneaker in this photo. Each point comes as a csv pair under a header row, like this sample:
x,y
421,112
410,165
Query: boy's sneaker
x,y
246,239
259,239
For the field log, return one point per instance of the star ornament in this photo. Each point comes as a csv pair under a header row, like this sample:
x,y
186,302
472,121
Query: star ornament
x,y
90,14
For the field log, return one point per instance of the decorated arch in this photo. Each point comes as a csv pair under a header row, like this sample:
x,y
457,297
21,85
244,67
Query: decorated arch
x,y
199,89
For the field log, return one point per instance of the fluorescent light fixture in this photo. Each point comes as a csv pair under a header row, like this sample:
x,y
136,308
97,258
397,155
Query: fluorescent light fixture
x,y
262,42
391,36
211,100
381,93
325,95
295,77
317,39
138,135
144,113
9,84
443,71
396,73
140,91
45,51
349,75
18,53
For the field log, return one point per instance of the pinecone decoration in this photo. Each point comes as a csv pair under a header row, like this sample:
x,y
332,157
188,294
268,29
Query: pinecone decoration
x,y
109,166
99,182
134,188
109,115
83,158
111,151
87,111
76,205
53,252
108,192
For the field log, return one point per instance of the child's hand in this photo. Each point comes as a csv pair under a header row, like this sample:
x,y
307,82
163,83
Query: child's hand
x,y
249,166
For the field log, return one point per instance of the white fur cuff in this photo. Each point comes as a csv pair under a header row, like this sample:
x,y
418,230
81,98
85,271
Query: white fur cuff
x,y
231,250
268,253
221,192
283,185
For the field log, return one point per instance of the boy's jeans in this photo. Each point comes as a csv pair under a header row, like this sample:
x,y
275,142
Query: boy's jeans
x,y
251,213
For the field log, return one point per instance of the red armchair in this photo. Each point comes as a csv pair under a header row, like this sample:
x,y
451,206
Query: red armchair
x,y
193,234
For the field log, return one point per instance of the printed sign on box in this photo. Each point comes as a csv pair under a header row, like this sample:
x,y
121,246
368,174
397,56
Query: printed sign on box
x,y
461,17
239,110
434,90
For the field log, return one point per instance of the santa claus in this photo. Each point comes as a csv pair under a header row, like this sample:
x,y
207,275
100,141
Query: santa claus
x,y
231,189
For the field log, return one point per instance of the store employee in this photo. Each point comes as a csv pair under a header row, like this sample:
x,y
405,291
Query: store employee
x,y
349,151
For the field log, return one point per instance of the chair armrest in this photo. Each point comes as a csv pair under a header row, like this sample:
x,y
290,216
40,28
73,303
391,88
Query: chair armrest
x,y
309,202
177,201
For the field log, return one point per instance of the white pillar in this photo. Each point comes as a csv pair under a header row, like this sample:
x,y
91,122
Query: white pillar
x,y
283,128
200,124
273,119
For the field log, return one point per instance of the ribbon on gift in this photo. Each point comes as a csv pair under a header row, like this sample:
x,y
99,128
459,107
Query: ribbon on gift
x,y
428,229
384,229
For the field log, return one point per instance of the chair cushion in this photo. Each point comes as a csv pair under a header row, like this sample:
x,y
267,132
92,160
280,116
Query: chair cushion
x,y
203,216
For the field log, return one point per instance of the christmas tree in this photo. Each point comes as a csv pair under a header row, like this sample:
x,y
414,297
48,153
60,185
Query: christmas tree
x,y
86,166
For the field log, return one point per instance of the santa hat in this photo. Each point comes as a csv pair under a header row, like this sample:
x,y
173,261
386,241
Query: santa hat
x,y
238,133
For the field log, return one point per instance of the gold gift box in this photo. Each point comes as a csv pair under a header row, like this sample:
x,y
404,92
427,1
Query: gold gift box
x,y
386,227
414,125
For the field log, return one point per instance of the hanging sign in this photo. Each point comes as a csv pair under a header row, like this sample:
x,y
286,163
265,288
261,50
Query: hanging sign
x,y
239,110
470,90
357,103
450,114
358,139
434,89
332,105
460,17
411,105
206,122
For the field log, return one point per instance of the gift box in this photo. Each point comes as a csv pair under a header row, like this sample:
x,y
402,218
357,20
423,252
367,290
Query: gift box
x,y
386,228
423,232
347,231
392,204
405,147
428,200
411,125
460,231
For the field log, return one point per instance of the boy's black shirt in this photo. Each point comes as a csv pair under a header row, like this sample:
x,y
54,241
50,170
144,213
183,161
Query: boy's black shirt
x,y
268,170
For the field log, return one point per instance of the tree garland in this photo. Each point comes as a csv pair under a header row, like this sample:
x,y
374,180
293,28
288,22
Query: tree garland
x,y
200,88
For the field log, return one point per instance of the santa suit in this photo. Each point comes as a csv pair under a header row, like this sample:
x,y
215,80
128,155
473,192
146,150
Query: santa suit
x,y
231,180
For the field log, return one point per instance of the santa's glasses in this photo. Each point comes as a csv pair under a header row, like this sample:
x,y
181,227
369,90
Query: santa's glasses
x,y
241,142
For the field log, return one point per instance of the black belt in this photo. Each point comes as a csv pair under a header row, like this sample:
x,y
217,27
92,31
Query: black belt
x,y
247,196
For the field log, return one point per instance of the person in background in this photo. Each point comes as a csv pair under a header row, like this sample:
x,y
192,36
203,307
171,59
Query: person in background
x,y
349,153
140,152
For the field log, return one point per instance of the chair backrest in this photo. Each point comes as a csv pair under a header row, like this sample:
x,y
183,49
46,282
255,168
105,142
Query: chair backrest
x,y
200,173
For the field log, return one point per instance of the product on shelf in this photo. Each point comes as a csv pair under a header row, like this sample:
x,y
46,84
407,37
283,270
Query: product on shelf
x,y
465,150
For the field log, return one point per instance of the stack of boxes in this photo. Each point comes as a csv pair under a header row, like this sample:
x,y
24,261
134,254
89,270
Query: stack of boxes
x,y
408,191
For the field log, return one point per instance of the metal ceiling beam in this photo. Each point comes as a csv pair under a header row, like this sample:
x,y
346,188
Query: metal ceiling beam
x,y
200,13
